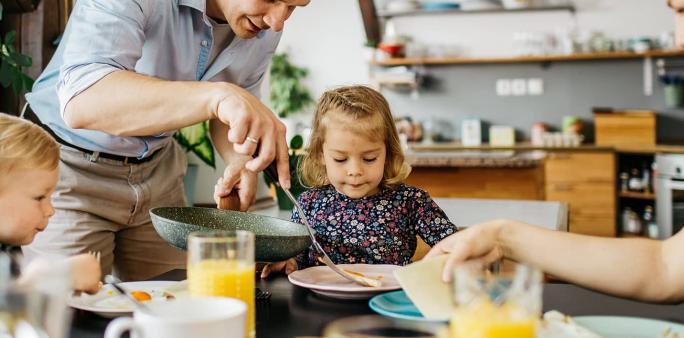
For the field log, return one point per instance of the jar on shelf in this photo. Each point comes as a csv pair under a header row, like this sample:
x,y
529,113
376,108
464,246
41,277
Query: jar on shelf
x,y
631,222
650,223
635,183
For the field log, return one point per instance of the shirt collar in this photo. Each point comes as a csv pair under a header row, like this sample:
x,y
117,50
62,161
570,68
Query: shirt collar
x,y
200,5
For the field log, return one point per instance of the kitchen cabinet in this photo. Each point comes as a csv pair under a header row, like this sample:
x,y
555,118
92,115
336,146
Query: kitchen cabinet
x,y
586,181
494,183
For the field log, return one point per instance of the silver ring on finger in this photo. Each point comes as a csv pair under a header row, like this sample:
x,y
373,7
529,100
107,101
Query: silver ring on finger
x,y
251,139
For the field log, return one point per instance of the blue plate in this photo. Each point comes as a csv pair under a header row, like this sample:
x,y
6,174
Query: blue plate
x,y
397,305
439,6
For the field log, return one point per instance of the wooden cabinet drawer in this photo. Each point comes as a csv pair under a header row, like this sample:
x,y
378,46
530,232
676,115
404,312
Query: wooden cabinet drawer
x,y
579,167
595,226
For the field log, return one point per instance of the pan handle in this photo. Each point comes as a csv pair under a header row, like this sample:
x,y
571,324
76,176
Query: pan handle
x,y
230,202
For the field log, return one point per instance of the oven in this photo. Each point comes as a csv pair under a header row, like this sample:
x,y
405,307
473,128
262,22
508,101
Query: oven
x,y
669,188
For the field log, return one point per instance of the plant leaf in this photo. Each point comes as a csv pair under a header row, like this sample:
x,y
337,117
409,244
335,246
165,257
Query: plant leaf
x,y
1,10
196,139
297,142
5,73
21,59
205,151
10,37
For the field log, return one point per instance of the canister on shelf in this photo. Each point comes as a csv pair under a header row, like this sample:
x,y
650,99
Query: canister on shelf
x,y
537,134
572,125
471,132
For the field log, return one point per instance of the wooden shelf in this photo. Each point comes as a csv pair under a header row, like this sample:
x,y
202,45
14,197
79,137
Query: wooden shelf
x,y
626,235
387,15
637,195
523,59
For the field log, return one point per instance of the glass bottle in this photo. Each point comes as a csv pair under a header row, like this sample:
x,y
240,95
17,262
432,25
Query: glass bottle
x,y
645,178
650,223
635,180
624,177
631,223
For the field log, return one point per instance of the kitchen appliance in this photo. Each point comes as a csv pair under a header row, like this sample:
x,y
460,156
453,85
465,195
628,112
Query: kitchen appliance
x,y
669,194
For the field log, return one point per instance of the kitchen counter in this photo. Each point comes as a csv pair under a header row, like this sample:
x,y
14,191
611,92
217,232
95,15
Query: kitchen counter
x,y
475,158
525,146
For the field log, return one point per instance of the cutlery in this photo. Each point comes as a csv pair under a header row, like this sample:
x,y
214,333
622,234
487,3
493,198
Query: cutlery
x,y
272,172
114,282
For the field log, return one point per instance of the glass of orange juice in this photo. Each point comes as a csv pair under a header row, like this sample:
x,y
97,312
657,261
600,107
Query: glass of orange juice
x,y
496,305
221,263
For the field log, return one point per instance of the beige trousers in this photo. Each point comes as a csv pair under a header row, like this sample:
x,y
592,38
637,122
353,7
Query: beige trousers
x,y
103,205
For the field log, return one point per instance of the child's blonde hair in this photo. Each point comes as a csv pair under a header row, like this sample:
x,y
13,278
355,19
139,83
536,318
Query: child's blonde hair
x,y
24,145
360,110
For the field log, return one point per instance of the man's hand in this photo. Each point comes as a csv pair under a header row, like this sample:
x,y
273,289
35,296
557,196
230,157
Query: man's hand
x,y
244,181
252,124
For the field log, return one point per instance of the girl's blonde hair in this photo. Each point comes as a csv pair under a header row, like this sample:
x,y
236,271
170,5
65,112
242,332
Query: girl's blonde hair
x,y
360,110
24,145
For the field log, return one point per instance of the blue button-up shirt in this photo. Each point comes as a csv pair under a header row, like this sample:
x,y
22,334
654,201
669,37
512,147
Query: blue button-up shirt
x,y
167,39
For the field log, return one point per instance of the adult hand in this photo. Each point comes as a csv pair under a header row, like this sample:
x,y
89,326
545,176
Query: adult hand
x,y
252,124
244,181
478,245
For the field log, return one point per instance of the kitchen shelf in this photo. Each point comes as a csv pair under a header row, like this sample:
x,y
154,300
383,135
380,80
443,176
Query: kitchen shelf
x,y
388,14
523,59
637,195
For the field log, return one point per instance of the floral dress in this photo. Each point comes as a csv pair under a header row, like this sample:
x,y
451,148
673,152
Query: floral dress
x,y
376,229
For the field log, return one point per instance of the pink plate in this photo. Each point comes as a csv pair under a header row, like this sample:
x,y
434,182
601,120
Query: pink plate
x,y
324,281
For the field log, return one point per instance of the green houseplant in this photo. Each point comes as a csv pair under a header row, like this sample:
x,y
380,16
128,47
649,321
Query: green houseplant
x,y
12,64
288,96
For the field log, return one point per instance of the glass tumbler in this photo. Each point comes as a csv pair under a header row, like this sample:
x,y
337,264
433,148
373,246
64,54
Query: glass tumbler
x,y
221,263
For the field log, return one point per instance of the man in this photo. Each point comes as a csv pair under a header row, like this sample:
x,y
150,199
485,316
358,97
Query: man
x,y
127,74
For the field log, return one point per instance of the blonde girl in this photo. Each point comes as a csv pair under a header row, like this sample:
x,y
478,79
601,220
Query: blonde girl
x,y
357,202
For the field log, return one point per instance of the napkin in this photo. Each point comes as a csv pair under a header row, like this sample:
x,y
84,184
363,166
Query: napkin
x,y
423,284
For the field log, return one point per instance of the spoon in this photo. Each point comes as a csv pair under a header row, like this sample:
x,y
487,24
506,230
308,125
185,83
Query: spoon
x,y
114,282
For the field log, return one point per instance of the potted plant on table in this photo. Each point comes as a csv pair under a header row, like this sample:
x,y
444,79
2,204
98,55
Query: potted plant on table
x,y
288,96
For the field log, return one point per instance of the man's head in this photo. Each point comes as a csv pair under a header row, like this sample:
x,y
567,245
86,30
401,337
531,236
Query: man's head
x,y
248,17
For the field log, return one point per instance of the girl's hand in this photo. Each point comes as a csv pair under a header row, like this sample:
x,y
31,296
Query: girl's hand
x,y
478,245
289,266
85,273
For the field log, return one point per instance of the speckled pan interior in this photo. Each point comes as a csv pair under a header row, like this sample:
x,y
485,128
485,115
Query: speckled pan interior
x,y
276,239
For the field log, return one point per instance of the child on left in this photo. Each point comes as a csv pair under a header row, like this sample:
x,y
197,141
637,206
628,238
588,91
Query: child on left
x,y
29,163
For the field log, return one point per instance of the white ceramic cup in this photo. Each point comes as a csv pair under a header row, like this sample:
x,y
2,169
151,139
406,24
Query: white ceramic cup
x,y
206,317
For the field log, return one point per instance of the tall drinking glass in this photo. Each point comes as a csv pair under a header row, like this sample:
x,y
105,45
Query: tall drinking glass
x,y
496,305
221,263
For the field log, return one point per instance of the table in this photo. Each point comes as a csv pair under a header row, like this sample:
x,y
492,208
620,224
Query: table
x,y
293,311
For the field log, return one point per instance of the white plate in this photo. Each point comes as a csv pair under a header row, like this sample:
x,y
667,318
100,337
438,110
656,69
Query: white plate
x,y
627,327
109,303
324,281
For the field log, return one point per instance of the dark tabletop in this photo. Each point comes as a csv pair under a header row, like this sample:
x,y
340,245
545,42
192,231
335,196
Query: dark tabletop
x,y
293,311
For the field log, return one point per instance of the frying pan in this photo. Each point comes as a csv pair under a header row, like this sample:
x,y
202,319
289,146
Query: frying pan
x,y
275,239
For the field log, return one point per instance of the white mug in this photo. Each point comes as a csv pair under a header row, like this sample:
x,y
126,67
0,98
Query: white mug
x,y
206,317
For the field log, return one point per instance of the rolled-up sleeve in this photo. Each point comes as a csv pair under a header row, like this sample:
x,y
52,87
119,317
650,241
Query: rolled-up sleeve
x,y
103,36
